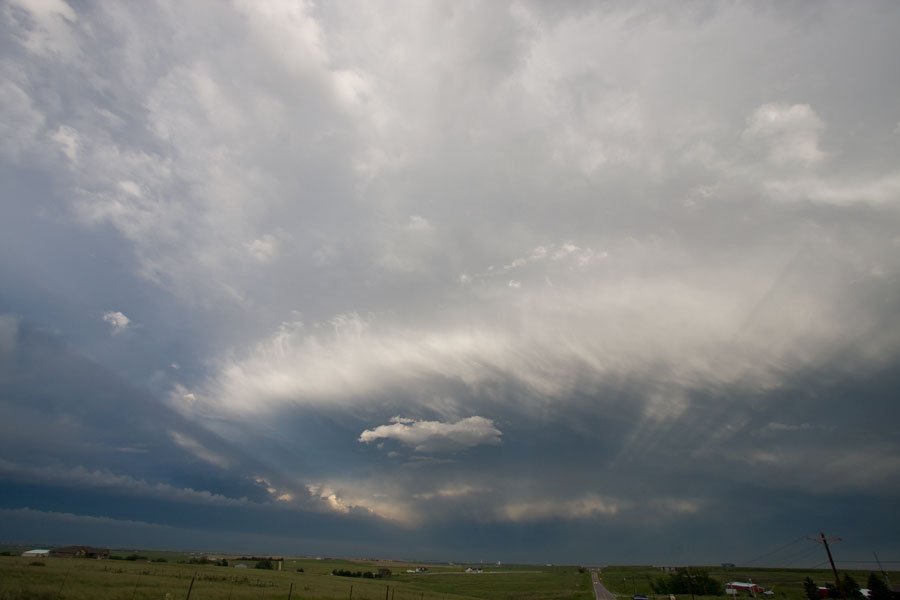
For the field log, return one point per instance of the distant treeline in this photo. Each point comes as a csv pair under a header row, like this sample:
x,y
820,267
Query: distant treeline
x,y
134,557
259,558
363,574
688,581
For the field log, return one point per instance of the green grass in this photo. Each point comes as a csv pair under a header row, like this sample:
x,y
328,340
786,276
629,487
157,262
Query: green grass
x,y
86,579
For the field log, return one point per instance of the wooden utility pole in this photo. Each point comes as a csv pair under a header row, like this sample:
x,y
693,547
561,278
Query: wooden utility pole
x,y
837,580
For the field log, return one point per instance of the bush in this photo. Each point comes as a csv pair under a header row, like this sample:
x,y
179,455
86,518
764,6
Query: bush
x,y
134,557
265,564
688,581
36,563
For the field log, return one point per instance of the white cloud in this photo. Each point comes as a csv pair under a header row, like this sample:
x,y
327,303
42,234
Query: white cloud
x,y
881,190
263,249
68,141
790,131
436,436
117,320
50,31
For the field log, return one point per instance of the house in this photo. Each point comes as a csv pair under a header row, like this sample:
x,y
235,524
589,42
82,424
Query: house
x,y
36,553
79,552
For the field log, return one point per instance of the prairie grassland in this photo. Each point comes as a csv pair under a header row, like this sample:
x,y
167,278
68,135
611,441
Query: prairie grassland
x,y
85,579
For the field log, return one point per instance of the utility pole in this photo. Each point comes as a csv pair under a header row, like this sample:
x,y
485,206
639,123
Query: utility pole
x,y
837,580
883,572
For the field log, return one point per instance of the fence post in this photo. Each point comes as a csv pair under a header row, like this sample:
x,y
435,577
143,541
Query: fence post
x,y
65,579
191,587
351,592
291,591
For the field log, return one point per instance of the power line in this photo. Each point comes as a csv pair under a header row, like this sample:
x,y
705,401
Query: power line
x,y
779,549
799,556
867,561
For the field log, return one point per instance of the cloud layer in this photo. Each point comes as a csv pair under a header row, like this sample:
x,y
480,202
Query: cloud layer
x,y
623,270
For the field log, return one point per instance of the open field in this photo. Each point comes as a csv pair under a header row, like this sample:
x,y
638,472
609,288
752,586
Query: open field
x,y
88,579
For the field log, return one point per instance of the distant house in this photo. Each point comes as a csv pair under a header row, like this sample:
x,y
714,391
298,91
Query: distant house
x,y
79,552
36,553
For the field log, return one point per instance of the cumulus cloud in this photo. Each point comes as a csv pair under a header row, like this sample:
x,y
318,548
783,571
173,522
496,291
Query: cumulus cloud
x,y
436,436
263,249
117,321
790,132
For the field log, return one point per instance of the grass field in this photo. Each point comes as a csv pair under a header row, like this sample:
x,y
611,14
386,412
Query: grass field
x,y
87,579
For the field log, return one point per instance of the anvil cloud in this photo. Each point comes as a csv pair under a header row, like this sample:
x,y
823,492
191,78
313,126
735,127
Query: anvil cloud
x,y
476,274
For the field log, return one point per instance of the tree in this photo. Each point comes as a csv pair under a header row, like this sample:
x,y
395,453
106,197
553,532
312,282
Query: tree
x,y
810,589
878,589
688,581
265,564
851,588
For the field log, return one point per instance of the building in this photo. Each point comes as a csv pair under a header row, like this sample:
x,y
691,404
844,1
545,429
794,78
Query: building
x,y
79,552
36,553
733,588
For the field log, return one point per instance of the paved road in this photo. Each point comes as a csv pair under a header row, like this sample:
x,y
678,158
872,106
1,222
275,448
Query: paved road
x,y
600,590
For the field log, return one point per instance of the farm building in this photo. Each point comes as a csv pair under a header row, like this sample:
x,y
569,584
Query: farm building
x,y
36,553
735,587
79,552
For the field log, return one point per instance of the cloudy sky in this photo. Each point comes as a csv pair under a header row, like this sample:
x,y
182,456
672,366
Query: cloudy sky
x,y
526,281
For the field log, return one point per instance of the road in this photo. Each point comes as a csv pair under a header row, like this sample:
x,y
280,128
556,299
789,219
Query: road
x,y
600,590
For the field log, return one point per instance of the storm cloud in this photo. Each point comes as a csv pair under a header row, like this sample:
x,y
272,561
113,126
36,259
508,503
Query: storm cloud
x,y
474,274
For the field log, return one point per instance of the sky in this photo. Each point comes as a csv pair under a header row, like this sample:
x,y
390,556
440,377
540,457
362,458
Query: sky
x,y
585,282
